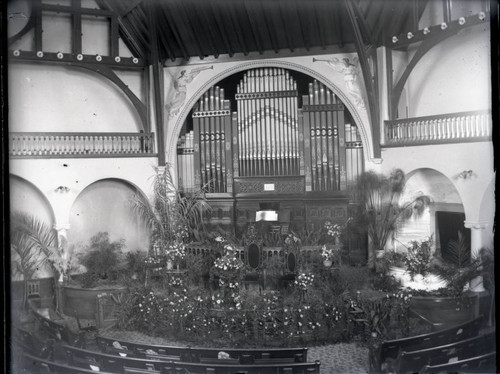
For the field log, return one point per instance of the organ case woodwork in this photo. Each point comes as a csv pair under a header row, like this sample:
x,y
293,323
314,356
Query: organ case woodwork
x,y
272,150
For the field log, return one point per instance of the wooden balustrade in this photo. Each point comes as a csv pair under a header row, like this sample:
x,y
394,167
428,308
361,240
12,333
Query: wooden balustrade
x,y
439,129
74,144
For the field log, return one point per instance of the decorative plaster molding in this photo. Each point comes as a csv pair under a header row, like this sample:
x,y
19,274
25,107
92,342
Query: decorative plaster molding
x,y
476,225
61,226
180,89
364,128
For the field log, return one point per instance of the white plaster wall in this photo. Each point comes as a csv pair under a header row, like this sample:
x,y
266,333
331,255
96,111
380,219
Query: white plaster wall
x,y
48,174
56,98
450,160
454,76
104,206
207,78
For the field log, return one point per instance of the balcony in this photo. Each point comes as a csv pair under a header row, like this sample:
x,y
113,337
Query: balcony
x,y
80,145
440,129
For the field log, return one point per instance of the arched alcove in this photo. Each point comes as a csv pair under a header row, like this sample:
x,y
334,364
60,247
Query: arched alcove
x,y
104,206
487,214
26,197
443,219
360,117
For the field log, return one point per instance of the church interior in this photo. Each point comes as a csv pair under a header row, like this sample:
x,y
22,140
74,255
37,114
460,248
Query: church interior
x,y
180,131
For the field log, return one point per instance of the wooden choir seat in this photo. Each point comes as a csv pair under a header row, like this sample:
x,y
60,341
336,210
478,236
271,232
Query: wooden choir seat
x,y
413,361
480,364
390,349
36,365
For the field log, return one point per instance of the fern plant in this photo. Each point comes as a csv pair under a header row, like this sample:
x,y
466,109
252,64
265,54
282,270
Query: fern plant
x,y
380,211
172,217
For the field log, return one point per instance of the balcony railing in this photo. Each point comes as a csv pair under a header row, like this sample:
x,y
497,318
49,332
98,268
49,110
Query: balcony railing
x,y
74,144
447,128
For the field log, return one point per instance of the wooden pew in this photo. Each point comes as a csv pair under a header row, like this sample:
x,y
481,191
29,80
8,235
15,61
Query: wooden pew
x,y
199,368
463,349
111,362
30,344
197,354
58,330
36,365
390,349
480,364
132,349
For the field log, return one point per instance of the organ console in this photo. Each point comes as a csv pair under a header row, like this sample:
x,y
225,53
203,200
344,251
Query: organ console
x,y
270,149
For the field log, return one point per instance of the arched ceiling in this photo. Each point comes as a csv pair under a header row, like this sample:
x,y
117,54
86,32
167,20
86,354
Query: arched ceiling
x,y
214,28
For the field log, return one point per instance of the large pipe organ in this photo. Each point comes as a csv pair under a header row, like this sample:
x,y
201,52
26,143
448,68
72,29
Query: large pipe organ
x,y
272,152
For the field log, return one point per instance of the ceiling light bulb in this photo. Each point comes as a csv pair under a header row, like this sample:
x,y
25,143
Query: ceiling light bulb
x,y
444,26
461,20
426,31
410,35
395,39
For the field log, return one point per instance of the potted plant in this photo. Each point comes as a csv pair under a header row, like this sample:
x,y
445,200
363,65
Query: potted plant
x,y
380,211
31,241
35,244
173,218
103,260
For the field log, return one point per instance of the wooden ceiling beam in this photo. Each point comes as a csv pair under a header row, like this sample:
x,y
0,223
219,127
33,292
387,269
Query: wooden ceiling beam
x,y
175,32
254,28
338,26
182,8
285,22
370,74
306,43
212,35
222,30
270,25
380,22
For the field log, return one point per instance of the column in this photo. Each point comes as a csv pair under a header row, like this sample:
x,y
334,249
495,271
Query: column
x,y
63,265
476,244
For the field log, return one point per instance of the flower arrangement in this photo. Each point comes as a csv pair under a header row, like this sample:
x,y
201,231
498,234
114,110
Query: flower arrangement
x,y
419,257
330,253
229,260
333,230
304,281
176,250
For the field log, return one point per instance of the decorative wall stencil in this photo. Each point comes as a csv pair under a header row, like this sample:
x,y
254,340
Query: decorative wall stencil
x,y
351,72
180,89
292,186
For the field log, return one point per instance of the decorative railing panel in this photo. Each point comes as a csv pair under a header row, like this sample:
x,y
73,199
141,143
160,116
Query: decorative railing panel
x,y
439,129
73,144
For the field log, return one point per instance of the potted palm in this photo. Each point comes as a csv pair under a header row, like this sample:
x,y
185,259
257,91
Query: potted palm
x,y
173,218
380,210
34,244
31,240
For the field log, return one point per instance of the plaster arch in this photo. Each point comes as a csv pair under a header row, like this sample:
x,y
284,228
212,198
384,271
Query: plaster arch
x,y
446,201
360,116
27,197
487,214
103,205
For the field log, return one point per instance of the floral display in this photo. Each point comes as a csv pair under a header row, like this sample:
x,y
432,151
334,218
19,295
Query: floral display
x,y
304,281
333,230
330,252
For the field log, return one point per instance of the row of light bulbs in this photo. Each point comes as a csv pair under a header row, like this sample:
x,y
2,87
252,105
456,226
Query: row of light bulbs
x,y
79,56
444,26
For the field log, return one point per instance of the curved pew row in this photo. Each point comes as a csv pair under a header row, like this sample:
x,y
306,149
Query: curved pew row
x,y
414,361
198,354
38,365
116,363
481,364
389,350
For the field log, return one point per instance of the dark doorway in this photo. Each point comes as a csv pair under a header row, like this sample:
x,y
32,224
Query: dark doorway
x,y
449,224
